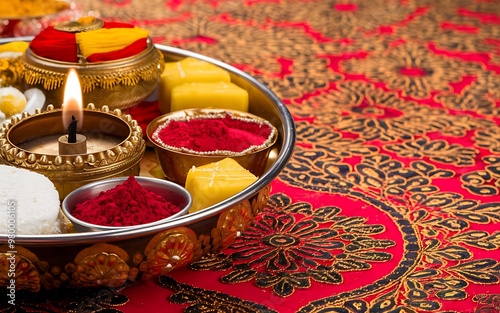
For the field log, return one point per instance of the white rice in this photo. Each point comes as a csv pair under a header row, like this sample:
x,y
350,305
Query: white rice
x,y
32,198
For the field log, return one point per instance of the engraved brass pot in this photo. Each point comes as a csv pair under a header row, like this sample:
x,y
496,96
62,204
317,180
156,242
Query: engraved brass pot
x,y
118,84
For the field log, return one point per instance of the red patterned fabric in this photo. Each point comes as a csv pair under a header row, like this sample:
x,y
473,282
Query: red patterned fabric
x,y
390,202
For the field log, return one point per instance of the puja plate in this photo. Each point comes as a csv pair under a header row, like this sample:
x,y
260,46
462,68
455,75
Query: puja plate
x,y
111,258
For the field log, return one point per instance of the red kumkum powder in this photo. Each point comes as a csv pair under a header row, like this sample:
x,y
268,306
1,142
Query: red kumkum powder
x,y
212,134
127,204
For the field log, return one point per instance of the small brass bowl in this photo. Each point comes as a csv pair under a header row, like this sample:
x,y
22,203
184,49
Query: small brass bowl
x,y
176,162
169,191
118,84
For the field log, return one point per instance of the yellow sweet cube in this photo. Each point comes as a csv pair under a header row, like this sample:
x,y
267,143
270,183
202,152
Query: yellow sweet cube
x,y
215,182
219,95
188,70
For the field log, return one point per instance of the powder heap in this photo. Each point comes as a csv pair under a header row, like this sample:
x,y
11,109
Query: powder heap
x,y
214,134
127,204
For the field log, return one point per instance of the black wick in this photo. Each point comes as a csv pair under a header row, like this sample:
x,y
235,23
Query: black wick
x,y
72,130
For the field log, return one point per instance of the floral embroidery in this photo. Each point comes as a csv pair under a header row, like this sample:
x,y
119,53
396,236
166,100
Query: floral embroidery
x,y
411,68
287,251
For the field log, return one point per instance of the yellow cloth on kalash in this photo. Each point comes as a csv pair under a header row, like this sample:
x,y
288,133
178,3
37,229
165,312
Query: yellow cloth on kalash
x,y
105,40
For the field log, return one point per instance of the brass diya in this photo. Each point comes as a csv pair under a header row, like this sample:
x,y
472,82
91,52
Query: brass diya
x,y
119,84
111,258
114,146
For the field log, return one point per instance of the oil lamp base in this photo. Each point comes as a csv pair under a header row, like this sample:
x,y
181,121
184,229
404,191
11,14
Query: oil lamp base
x,y
78,147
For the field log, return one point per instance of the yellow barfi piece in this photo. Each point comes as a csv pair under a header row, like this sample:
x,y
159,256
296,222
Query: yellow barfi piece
x,y
188,70
215,182
219,95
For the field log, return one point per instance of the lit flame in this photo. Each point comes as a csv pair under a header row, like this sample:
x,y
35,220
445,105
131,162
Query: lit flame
x,y
73,100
